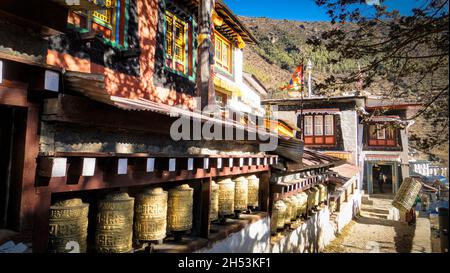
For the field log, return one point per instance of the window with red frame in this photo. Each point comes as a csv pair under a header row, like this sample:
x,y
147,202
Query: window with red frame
x,y
319,130
382,135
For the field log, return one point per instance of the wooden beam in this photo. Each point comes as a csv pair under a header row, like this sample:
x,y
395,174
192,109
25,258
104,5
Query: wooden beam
x,y
44,17
14,94
73,109
104,179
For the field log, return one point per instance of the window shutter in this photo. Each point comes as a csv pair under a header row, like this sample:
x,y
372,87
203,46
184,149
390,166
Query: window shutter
x,y
169,35
329,125
179,41
318,125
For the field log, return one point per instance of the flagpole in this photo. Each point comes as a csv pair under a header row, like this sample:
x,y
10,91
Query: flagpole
x,y
301,107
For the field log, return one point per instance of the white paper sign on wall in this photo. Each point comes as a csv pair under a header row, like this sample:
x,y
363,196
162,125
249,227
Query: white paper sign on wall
x,y
88,166
51,81
1,71
59,167
122,166
190,164
150,165
219,163
172,164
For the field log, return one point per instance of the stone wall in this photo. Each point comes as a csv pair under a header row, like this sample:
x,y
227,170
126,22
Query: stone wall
x,y
60,137
311,236
254,238
348,211
349,129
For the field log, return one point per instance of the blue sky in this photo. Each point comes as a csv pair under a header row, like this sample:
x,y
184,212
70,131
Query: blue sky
x,y
302,10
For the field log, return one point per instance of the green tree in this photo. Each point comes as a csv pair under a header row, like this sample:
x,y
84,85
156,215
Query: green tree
x,y
409,51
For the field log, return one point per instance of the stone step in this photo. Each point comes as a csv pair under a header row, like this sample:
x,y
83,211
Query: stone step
x,y
365,199
375,209
374,215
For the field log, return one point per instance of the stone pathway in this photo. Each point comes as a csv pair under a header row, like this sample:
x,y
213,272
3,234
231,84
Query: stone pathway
x,y
373,232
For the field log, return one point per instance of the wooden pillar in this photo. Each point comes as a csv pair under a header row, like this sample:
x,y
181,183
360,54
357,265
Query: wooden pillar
x,y
264,191
41,221
33,206
201,208
206,206
205,82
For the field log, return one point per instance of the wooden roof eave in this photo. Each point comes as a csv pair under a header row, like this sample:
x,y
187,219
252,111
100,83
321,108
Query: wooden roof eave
x,y
234,23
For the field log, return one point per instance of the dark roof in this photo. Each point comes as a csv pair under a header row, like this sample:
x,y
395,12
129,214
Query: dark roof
x,y
231,19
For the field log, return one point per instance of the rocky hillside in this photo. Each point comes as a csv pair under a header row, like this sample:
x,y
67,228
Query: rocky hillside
x,y
281,48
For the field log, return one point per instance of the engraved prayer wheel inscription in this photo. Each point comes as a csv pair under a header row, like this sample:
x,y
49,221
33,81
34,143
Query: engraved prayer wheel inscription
x,y
322,193
253,191
68,222
296,204
302,207
310,199
407,193
214,208
114,231
179,214
151,215
316,195
240,194
226,197
289,210
278,215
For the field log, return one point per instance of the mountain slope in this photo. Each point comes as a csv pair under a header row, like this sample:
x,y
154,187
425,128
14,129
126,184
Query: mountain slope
x,y
281,48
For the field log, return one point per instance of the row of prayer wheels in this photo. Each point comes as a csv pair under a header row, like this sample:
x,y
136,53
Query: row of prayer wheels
x,y
120,217
230,196
292,208
146,218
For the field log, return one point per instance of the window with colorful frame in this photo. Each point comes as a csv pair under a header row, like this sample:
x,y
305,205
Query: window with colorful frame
x,y
223,52
319,130
178,44
111,22
382,135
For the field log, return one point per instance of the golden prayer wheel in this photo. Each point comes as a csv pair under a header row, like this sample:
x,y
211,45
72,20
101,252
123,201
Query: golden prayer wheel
x,y
214,205
226,197
316,195
151,215
322,193
278,215
240,193
290,208
114,231
68,222
295,204
407,193
253,191
179,213
310,200
302,206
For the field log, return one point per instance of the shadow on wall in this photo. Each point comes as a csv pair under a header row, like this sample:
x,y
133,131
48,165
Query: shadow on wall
x,y
254,238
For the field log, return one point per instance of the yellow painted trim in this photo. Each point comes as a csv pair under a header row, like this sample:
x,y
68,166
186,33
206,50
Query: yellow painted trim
x,y
227,87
